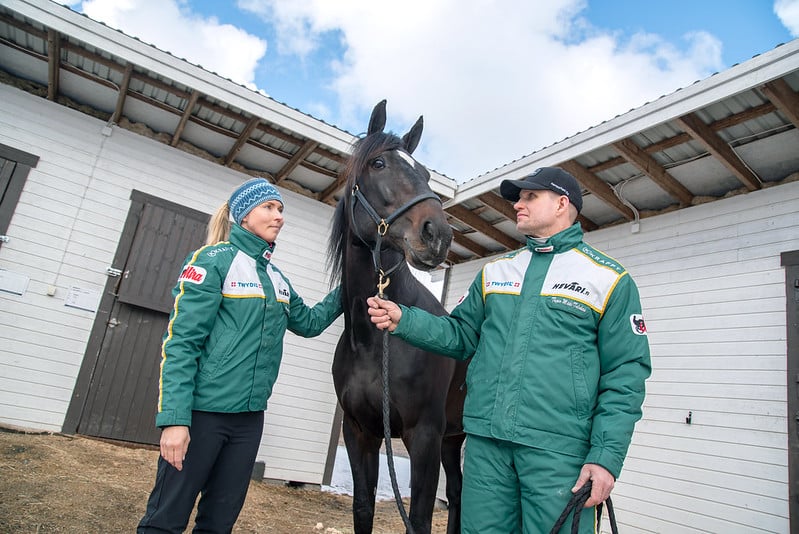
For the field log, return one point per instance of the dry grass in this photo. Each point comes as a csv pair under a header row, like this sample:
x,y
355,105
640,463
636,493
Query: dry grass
x,y
55,483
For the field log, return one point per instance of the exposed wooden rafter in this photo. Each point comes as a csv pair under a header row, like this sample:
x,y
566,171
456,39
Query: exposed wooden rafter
x,y
784,98
482,226
184,118
647,165
241,140
53,64
700,131
463,240
598,187
299,156
123,93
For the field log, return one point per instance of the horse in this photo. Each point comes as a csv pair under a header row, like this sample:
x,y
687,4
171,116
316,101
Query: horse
x,y
387,219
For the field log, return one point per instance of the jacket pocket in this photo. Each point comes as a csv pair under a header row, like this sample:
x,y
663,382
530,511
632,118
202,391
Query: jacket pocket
x,y
581,397
218,352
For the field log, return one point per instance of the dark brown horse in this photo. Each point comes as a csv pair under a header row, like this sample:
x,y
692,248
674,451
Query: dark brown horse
x,y
387,219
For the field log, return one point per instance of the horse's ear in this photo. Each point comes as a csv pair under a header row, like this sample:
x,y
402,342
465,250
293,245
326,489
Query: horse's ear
x,y
411,139
378,119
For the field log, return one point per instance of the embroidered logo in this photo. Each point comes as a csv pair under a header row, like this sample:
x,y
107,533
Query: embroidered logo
x,y
192,274
235,283
463,297
491,284
637,322
572,286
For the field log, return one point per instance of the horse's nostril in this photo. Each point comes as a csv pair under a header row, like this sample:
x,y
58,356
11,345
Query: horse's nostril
x,y
428,231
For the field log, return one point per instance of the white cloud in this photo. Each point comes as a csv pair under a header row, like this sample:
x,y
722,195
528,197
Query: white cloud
x,y
788,13
495,80
171,26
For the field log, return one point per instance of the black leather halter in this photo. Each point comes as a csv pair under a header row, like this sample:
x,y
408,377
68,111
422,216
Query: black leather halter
x,y
382,225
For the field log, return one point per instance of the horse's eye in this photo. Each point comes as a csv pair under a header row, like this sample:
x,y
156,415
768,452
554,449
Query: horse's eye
x,y
378,163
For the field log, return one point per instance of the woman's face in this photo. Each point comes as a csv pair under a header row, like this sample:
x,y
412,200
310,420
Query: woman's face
x,y
265,220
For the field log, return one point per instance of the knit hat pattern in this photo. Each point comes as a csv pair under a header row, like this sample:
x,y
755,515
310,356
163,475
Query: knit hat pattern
x,y
250,194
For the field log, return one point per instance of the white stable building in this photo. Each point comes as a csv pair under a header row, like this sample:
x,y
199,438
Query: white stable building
x,y
114,153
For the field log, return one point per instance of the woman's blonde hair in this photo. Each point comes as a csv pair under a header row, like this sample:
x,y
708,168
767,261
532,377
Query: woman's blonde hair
x,y
219,225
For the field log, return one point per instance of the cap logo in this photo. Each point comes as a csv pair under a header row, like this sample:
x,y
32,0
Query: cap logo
x,y
559,188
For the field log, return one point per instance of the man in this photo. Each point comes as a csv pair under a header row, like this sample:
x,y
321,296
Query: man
x,y
560,357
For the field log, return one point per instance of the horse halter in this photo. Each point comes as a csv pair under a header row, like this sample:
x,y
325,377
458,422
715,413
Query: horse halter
x,y
382,225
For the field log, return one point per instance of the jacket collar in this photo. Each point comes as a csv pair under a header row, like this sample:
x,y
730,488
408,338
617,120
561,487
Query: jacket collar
x,y
561,242
251,244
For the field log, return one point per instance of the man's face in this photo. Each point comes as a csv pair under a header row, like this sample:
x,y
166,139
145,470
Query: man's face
x,y
538,212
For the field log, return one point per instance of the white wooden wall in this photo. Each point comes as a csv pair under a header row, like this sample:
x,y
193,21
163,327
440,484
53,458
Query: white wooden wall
x,y
64,232
713,294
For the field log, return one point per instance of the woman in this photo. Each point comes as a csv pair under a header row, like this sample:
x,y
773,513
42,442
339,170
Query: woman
x,y
219,362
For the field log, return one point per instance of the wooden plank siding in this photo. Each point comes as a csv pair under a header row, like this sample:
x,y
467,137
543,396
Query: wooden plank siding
x,y
64,233
713,293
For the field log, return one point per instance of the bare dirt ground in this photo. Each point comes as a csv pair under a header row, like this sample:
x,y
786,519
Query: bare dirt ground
x,y
56,483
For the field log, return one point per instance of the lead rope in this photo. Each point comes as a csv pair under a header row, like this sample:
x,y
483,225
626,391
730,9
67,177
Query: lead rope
x,y
381,285
576,504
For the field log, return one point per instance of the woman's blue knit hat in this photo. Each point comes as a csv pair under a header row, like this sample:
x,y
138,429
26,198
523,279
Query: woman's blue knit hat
x,y
250,194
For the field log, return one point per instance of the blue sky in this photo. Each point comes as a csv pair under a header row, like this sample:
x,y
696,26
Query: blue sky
x,y
495,79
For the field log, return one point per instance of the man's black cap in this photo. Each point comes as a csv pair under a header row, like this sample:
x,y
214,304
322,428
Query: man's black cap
x,y
549,178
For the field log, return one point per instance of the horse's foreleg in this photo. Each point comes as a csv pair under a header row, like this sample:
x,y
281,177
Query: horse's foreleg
x,y
451,460
364,455
424,449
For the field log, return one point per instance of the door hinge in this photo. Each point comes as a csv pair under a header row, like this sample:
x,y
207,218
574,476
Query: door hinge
x,y
110,271
4,239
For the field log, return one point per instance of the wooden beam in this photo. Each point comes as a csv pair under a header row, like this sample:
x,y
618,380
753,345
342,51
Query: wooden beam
x,y
587,224
499,204
53,64
598,187
184,118
702,133
298,157
242,138
123,93
327,194
783,97
647,165
481,225
463,240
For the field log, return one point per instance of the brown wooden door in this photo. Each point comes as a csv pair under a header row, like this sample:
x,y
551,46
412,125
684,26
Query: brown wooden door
x,y
117,390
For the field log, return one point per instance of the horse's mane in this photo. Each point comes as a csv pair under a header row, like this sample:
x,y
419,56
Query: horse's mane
x,y
363,150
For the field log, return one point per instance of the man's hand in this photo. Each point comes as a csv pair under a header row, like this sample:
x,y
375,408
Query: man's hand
x,y
174,444
602,483
384,313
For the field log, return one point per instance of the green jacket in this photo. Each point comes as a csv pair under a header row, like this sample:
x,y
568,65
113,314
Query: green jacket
x,y
560,349
224,341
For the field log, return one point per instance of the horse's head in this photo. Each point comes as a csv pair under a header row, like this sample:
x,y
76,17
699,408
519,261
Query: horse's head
x,y
388,203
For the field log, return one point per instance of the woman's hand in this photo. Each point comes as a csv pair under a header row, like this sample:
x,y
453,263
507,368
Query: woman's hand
x,y
174,444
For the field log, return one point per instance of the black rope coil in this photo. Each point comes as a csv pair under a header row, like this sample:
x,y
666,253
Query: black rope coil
x,y
576,505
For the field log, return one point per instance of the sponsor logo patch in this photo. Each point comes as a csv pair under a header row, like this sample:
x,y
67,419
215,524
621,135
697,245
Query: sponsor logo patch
x,y
192,274
574,287
493,284
637,322
463,297
236,283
